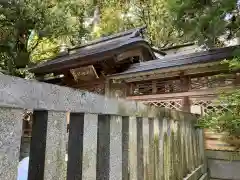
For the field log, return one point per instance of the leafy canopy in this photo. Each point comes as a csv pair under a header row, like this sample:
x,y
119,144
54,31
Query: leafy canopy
x,y
118,16
206,21
213,23
26,24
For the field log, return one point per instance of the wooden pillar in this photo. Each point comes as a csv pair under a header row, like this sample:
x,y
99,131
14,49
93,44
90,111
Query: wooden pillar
x,y
107,87
237,79
186,104
154,87
130,88
185,86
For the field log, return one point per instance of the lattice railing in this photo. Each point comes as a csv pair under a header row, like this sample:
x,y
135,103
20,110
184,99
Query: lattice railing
x,y
176,104
205,106
209,107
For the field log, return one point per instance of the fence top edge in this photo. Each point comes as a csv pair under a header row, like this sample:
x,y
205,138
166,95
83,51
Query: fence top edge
x,y
31,94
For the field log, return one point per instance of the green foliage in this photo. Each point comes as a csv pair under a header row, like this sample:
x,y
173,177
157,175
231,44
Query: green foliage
x,y
228,121
26,24
212,23
116,16
205,20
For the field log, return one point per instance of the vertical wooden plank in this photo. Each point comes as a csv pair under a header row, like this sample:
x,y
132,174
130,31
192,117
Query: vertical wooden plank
x,y
162,124
125,147
185,147
146,148
187,144
38,145
133,148
154,87
166,156
173,156
103,147
179,148
157,145
140,169
10,139
56,140
75,146
191,146
151,150
167,150
194,147
115,148
185,85
107,87
202,150
90,146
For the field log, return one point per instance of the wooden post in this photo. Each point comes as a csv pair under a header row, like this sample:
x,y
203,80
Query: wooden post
x,y
107,87
185,86
237,79
154,87
130,87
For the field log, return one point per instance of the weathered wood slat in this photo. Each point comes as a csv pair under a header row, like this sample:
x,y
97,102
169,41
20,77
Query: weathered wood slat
x,y
132,148
125,148
156,147
162,123
140,166
146,149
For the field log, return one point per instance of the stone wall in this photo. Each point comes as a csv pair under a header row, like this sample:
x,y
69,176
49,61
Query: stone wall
x,y
223,165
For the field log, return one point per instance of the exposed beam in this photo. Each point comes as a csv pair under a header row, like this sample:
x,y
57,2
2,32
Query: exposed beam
x,y
174,71
196,93
185,86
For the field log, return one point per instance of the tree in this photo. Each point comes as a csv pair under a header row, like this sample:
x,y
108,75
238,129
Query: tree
x,y
118,16
212,23
25,24
205,21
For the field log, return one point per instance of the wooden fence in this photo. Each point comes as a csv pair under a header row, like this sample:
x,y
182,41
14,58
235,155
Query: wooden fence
x,y
108,139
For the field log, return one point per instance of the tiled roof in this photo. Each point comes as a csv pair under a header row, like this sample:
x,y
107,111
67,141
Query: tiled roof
x,y
93,49
181,60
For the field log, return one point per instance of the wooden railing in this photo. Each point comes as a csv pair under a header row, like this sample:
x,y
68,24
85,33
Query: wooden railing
x,y
108,139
